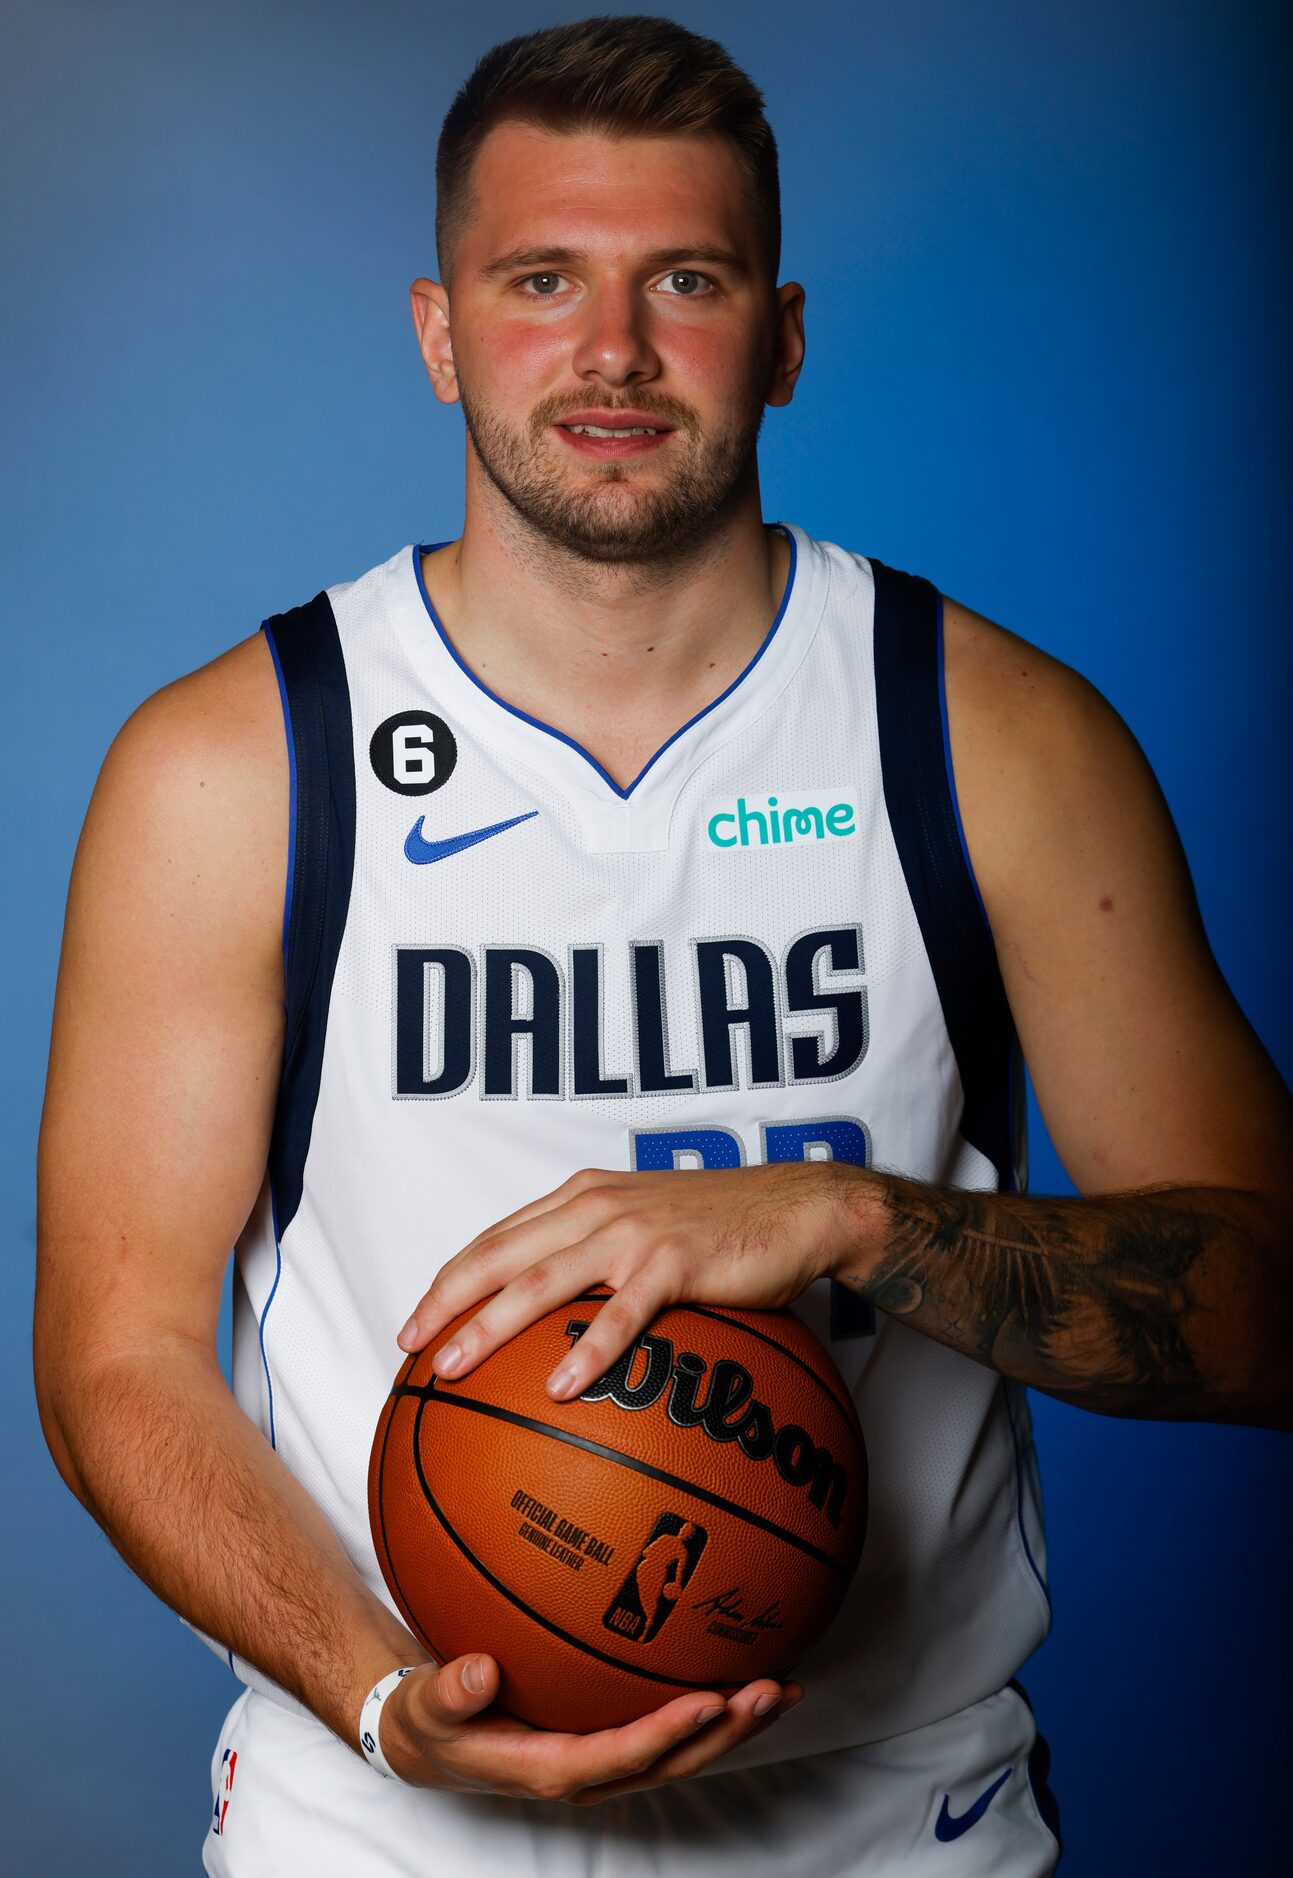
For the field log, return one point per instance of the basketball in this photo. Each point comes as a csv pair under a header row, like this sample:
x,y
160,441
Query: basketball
x,y
690,1522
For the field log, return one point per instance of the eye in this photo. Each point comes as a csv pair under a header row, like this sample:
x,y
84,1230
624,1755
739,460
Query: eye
x,y
542,286
686,283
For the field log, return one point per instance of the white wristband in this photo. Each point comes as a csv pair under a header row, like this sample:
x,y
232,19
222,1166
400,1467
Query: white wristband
x,y
370,1722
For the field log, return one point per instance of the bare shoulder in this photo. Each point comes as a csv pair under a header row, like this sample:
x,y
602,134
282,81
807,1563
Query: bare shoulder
x,y
191,805
1050,780
224,718
1011,701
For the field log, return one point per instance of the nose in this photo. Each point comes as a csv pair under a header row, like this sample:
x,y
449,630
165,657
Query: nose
x,y
613,343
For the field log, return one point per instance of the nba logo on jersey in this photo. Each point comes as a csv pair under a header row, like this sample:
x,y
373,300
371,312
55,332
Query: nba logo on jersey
x,y
224,1793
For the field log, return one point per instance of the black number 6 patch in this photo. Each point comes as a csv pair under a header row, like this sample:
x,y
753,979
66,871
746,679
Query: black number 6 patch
x,y
413,753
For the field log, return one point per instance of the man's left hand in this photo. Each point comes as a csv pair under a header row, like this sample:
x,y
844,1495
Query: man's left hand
x,y
749,1236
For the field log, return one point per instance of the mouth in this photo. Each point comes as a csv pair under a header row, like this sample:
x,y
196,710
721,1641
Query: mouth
x,y
610,435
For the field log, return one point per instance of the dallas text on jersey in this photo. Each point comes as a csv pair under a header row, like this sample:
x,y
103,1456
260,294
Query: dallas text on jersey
x,y
464,1011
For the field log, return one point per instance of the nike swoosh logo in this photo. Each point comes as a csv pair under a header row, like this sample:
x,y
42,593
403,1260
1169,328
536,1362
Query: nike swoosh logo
x,y
419,849
947,1828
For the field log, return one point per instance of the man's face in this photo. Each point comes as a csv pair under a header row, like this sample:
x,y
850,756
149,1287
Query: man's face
x,y
618,283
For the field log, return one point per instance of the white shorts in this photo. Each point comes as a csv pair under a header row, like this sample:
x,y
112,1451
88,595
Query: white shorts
x,y
954,1799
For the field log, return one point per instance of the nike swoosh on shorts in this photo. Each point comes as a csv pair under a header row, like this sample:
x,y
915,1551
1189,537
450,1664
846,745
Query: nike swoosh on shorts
x,y
947,1828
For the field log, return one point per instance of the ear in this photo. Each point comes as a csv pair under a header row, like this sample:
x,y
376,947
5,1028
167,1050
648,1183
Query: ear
x,y
788,348
429,304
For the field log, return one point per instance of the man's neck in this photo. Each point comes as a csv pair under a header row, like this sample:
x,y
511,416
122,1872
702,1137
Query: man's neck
x,y
617,657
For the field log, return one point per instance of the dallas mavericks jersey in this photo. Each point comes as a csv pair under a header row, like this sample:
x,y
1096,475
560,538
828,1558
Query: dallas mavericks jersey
x,y
502,967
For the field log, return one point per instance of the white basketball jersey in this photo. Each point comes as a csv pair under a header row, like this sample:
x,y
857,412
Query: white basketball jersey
x,y
502,968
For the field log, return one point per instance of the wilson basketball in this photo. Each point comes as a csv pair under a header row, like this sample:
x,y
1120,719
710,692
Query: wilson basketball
x,y
691,1521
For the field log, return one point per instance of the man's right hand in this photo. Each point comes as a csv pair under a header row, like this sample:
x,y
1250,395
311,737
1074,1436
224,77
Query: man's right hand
x,y
440,1731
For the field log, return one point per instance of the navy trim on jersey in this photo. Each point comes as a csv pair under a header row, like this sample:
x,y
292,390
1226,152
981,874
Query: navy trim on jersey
x,y
1039,1772
288,897
560,735
316,700
273,1292
923,814
291,794
920,794
947,763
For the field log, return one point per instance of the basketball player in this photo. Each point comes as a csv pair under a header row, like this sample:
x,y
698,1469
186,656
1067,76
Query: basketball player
x,y
629,836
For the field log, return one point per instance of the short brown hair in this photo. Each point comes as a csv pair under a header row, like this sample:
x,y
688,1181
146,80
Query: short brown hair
x,y
630,74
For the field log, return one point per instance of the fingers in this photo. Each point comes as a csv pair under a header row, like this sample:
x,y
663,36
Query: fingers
x,y
740,1721
615,1327
615,1323
426,1710
499,1754
533,1292
434,1733
566,1765
466,1686
583,1182
494,1259
539,1285
457,1692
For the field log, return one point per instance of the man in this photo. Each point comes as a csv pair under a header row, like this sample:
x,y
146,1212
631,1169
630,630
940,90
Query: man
x,y
621,836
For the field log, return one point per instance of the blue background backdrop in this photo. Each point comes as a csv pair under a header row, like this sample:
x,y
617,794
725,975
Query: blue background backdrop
x,y
1048,310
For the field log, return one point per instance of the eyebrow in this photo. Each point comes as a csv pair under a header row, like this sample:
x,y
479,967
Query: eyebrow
x,y
539,258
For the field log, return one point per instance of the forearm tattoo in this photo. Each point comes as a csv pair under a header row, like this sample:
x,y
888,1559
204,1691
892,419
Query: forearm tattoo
x,y
1146,1303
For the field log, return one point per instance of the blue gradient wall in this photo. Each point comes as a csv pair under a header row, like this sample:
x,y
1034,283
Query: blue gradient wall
x,y
1048,310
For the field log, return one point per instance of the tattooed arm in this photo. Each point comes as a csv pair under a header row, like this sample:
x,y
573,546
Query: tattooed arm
x,y
1166,1289
1169,1303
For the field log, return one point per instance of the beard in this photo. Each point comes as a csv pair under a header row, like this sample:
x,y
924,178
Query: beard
x,y
608,512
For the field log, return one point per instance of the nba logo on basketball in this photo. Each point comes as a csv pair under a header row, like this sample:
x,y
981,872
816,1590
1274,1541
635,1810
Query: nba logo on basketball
x,y
225,1792
649,1593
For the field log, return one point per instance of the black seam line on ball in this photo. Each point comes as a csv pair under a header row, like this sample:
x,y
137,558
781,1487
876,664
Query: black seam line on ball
x,y
429,1393
406,1608
587,1649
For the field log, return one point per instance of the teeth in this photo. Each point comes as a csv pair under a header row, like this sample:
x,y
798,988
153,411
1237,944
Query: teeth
x,y
595,430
